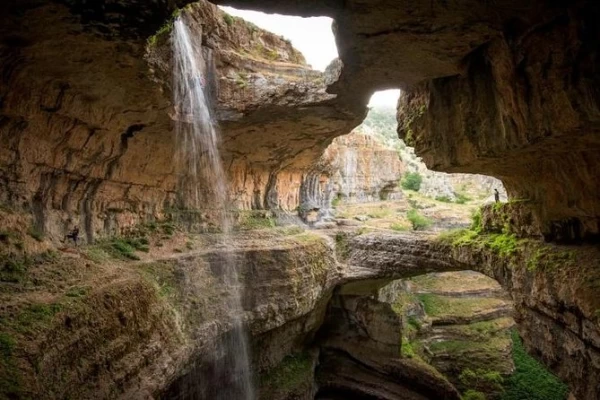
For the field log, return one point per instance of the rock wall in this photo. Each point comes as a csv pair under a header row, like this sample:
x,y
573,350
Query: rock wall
x,y
85,114
362,169
553,289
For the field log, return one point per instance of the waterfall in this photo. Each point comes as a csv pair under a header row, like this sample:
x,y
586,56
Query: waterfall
x,y
198,153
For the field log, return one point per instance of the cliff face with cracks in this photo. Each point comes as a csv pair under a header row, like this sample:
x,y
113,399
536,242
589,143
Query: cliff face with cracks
x,y
85,118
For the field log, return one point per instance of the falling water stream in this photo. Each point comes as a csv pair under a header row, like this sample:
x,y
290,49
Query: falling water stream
x,y
198,152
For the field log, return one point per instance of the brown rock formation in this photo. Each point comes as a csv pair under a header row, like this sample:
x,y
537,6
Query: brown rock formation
x,y
88,138
553,289
504,89
360,169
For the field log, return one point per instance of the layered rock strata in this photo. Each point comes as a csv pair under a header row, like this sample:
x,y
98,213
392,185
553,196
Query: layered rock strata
x,y
456,321
361,169
86,114
552,288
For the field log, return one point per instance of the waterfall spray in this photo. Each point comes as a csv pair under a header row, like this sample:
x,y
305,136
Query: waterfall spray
x,y
198,153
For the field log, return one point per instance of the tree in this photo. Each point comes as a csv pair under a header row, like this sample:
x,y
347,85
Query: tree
x,y
411,181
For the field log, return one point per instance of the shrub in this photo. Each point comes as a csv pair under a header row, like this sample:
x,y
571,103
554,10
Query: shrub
x,y
461,198
412,181
228,19
417,220
337,200
473,395
444,199
476,221
398,227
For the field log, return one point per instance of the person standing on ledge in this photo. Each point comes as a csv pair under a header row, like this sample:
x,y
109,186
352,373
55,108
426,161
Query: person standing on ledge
x,y
496,195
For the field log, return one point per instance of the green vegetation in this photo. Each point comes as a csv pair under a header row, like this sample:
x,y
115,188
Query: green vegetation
x,y
444,199
531,380
383,212
342,248
482,381
35,233
473,395
122,248
411,181
476,224
165,29
13,268
417,220
35,316
436,305
398,227
382,121
10,385
77,291
407,349
250,220
502,244
337,200
228,19
547,258
293,371
461,198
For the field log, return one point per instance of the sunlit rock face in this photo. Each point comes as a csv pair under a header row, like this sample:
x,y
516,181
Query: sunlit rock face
x,y
503,89
86,119
361,169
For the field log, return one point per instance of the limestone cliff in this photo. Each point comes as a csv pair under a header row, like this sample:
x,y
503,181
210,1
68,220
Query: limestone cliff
x,y
86,124
361,169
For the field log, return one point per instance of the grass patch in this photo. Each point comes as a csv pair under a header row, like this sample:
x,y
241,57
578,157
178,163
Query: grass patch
x,y
342,247
228,19
461,198
531,380
293,371
250,220
31,318
77,291
546,258
436,306
337,200
473,395
417,220
444,199
119,248
398,227
482,380
10,385
406,349
503,244
13,268
165,29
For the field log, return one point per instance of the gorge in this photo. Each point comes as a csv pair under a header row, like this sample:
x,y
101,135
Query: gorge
x,y
141,305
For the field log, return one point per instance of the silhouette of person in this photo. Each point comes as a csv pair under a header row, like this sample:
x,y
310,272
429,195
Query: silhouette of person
x,y
496,195
73,235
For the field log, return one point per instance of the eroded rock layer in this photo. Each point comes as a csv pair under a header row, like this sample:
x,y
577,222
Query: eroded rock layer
x,y
86,116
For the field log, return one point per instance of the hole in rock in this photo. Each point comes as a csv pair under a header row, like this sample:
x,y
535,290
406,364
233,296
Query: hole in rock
x,y
312,35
